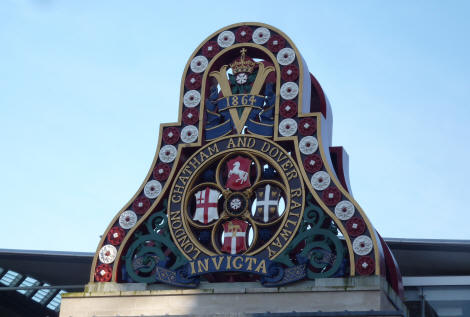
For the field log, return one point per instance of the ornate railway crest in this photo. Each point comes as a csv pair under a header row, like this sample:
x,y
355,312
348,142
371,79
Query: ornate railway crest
x,y
245,186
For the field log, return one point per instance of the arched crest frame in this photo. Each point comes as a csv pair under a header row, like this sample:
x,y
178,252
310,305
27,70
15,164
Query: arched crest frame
x,y
151,206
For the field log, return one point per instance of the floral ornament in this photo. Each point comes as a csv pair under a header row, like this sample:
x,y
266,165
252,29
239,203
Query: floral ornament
x,y
191,98
210,49
193,81
344,210
331,196
307,126
161,172
141,205
288,109
127,219
103,273
189,134
226,39
285,56
152,189
313,163
243,34
261,35
355,226
116,235
167,153
171,135
290,73
288,127
289,90
190,116
365,265
107,254
276,43
308,145
199,64
320,180
362,245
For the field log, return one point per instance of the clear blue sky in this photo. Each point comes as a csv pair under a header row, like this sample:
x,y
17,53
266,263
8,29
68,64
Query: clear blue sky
x,y
84,86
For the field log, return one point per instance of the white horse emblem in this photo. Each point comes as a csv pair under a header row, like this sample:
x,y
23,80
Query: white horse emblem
x,y
242,175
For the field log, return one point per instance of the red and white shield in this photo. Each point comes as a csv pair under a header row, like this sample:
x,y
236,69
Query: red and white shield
x,y
238,176
206,205
235,232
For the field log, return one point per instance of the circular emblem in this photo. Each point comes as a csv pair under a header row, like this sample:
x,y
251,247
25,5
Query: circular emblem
x,y
171,135
152,189
190,116
313,163
331,196
355,226
107,254
242,208
193,81
199,64
276,43
103,273
116,235
320,180
127,219
226,39
191,98
290,73
362,245
289,90
288,127
286,56
288,109
307,126
210,49
344,210
261,35
189,134
161,172
167,153
365,265
308,145
244,34
141,205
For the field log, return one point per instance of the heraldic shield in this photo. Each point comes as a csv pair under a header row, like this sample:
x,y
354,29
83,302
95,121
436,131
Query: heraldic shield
x,y
235,236
206,205
238,177
254,130
267,203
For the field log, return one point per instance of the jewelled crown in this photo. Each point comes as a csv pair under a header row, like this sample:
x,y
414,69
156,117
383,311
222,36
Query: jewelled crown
x,y
242,65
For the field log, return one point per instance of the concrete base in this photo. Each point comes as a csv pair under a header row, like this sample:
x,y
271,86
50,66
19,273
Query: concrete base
x,y
358,294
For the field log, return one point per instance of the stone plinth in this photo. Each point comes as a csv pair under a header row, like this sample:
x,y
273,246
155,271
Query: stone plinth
x,y
359,294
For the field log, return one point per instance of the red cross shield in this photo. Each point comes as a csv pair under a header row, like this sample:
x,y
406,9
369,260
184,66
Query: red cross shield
x,y
235,232
206,205
238,176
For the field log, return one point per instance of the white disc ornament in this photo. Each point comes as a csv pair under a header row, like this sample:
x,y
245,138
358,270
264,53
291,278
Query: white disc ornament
x,y
286,56
191,98
261,35
152,189
127,219
189,134
308,145
320,180
362,245
167,153
107,254
344,210
226,39
199,64
288,127
289,90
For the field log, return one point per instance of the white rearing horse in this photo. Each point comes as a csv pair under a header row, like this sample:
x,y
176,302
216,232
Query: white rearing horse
x,y
242,175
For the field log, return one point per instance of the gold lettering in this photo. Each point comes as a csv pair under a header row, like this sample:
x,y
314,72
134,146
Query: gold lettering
x,y
175,215
178,189
176,198
203,267
250,261
281,157
285,234
287,165
179,232
296,192
251,142
196,254
271,253
217,264
187,170
183,180
290,175
261,267
273,152
241,142
265,147
239,265
214,149
277,243
230,144
294,204
188,248
194,164
203,156
228,262
193,271
291,222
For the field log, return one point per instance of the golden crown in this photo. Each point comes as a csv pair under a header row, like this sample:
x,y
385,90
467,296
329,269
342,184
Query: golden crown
x,y
241,65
